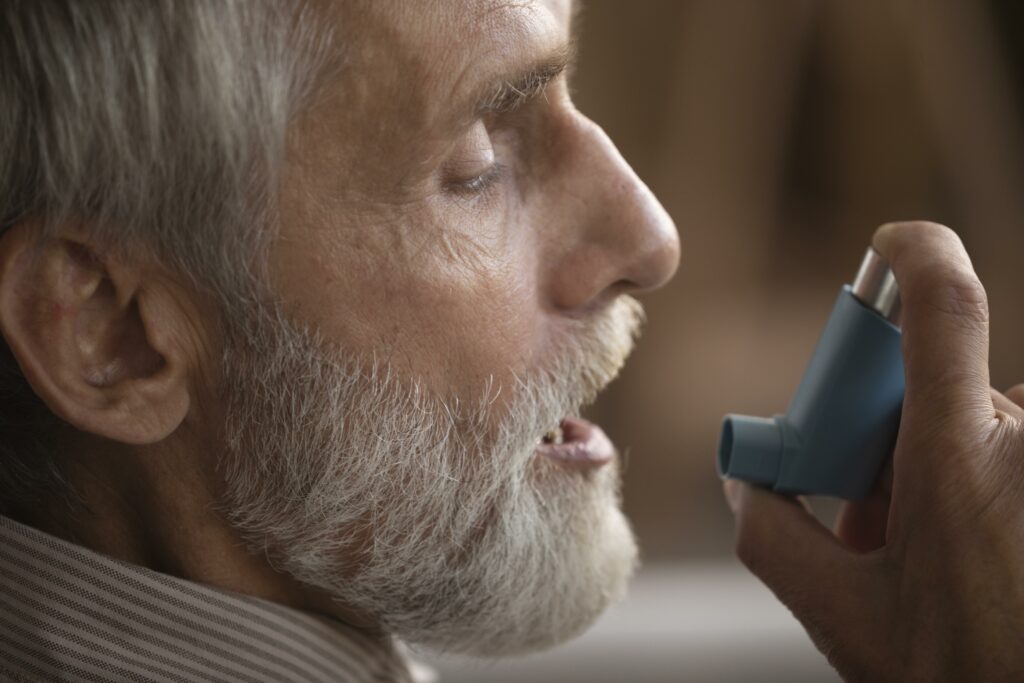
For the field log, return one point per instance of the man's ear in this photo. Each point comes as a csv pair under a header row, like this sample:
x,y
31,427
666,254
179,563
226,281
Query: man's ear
x,y
98,344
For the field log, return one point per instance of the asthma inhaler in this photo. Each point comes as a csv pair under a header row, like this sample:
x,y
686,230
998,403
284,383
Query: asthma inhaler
x,y
842,423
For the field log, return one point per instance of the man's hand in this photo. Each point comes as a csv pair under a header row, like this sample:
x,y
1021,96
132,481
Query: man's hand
x,y
924,581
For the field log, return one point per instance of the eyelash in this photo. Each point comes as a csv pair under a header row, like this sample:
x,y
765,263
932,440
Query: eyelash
x,y
481,185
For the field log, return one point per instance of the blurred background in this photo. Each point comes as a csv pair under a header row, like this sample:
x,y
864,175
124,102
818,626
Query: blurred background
x,y
778,135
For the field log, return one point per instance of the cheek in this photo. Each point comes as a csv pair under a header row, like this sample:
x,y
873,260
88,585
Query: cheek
x,y
468,329
467,305
446,296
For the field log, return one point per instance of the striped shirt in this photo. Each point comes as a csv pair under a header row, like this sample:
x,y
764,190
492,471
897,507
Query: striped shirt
x,y
70,614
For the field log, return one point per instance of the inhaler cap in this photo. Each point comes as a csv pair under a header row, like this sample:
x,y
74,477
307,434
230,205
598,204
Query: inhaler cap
x,y
875,286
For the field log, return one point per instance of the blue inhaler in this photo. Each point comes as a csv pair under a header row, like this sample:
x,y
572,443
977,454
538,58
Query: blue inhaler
x,y
842,423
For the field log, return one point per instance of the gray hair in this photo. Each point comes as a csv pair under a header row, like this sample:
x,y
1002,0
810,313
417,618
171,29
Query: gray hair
x,y
158,128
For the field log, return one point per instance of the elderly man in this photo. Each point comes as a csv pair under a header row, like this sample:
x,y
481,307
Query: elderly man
x,y
300,306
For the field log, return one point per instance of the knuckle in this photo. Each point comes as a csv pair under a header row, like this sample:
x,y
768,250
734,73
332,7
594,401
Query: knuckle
x,y
971,480
995,465
966,298
951,290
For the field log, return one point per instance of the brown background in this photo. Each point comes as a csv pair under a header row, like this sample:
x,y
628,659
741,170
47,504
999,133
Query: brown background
x,y
778,135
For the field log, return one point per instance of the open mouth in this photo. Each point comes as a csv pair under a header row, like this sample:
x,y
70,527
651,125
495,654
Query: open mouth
x,y
578,443
556,435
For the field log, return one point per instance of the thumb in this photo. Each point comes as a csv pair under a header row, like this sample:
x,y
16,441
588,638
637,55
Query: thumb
x,y
822,582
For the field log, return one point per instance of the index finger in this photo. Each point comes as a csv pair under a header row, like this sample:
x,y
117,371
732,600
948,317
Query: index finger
x,y
835,593
944,318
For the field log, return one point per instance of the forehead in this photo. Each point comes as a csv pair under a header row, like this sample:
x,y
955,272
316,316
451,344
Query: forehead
x,y
362,160
443,27
427,50
407,66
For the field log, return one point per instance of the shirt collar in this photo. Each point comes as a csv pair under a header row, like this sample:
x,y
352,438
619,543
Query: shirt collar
x,y
66,609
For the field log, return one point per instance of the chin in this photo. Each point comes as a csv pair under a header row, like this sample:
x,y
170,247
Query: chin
x,y
549,565
559,607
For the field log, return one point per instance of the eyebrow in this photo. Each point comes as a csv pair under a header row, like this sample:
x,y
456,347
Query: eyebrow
x,y
510,93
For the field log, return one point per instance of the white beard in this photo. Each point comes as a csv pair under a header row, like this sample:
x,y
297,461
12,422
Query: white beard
x,y
435,518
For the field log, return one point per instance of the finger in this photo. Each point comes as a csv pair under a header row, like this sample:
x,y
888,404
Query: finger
x,y
863,524
1004,403
944,319
806,567
1016,394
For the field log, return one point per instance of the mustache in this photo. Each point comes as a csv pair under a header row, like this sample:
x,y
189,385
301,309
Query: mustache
x,y
593,358
608,344
583,365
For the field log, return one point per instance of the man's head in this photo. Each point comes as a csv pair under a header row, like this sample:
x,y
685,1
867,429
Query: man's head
x,y
417,262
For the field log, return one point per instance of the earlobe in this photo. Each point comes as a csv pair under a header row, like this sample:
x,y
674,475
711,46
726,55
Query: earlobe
x,y
82,327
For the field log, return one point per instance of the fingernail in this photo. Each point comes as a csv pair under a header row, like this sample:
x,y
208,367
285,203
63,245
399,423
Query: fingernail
x,y
732,489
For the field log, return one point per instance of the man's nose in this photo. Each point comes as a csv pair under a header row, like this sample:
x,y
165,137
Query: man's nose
x,y
618,239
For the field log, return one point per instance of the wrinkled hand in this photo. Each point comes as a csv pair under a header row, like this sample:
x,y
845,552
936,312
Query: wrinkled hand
x,y
925,580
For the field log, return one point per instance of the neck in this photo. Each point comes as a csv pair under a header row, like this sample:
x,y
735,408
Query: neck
x,y
157,506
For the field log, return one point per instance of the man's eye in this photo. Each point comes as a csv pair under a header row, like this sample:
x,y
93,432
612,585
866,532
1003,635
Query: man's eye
x,y
472,168
480,183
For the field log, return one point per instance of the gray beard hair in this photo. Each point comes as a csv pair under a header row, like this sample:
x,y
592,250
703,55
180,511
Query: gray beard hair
x,y
431,516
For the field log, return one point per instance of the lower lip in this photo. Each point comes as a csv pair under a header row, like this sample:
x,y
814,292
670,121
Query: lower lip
x,y
585,446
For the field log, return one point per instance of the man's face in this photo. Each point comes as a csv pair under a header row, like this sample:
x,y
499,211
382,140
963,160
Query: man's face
x,y
455,243
456,248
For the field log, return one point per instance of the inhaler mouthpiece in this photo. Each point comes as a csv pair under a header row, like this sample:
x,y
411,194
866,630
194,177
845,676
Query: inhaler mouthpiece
x,y
842,423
